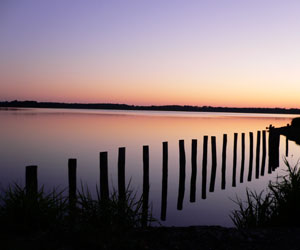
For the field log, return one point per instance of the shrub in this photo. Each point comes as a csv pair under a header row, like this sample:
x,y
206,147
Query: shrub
x,y
280,205
296,122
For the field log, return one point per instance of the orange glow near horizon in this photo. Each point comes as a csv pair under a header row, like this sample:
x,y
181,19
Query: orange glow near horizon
x,y
154,95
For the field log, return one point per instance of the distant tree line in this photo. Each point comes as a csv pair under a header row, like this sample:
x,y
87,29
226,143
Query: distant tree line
x,y
113,106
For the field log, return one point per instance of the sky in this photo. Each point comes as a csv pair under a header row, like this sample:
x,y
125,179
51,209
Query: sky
x,y
234,53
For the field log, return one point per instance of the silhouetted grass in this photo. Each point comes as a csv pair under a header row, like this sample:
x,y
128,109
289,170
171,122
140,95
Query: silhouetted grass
x,y
279,206
256,211
22,212
113,214
49,212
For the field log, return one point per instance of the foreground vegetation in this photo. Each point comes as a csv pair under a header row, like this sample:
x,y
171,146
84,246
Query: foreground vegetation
x,y
279,205
48,220
49,217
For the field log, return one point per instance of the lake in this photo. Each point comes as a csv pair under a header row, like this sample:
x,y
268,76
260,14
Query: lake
x,y
49,137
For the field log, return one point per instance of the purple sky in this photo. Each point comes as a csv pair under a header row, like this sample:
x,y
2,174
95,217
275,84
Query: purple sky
x,y
231,53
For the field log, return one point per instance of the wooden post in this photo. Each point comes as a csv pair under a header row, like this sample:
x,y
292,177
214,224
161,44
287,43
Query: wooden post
x,y
250,156
182,162
31,181
223,182
257,155
213,165
72,165
121,174
194,171
145,186
242,159
164,194
204,166
264,150
104,193
286,147
234,160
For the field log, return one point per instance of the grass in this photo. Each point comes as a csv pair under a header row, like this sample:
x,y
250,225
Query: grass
x,y
113,214
278,206
47,221
50,211
22,213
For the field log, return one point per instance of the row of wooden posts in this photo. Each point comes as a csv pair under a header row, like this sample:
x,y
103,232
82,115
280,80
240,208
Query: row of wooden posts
x,y
32,181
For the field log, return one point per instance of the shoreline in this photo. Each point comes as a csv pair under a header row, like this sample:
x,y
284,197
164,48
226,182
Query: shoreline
x,y
126,107
161,238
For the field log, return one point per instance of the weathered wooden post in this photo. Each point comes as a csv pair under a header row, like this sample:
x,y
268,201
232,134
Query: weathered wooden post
x,y
204,166
234,160
121,174
250,156
31,181
213,165
286,147
242,159
182,162
264,152
164,194
72,165
104,192
194,171
146,186
257,155
223,182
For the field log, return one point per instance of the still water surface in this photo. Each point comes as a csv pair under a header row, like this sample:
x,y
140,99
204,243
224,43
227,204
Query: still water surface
x,y
48,137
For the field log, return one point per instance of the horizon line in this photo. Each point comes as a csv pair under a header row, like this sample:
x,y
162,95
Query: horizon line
x,y
142,106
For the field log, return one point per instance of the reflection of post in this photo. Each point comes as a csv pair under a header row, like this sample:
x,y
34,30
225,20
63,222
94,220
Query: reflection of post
x,y
270,151
103,176
181,175
145,185
274,141
234,160
276,149
121,174
242,159
257,155
204,166
250,156
223,183
213,165
286,147
194,171
164,182
72,183
264,148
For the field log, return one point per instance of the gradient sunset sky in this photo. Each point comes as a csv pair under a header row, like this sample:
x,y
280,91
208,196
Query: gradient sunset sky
x,y
243,53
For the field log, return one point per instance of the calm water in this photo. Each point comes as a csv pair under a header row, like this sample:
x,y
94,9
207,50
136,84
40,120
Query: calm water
x,y
47,138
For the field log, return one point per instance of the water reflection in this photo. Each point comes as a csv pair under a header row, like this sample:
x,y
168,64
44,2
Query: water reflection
x,y
47,138
264,153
